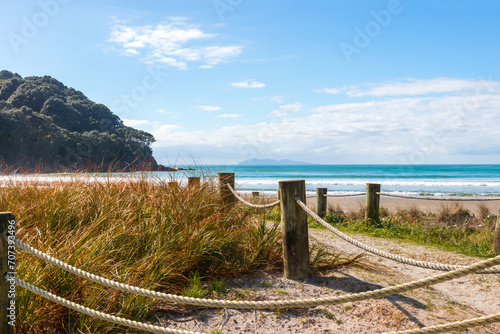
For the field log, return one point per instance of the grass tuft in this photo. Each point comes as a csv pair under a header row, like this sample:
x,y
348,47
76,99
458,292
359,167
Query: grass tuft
x,y
139,232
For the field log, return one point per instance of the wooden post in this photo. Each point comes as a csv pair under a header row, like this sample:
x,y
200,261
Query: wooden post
x,y
256,197
294,230
194,182
496,235
224,192
7,265
173,185
372,201
321,201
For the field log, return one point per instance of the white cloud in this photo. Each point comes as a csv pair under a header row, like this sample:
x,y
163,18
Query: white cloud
x,y
277,99
161,111
229,115
173,42
328,90
210,108
134,122
248,84
414,87
381,130
286,109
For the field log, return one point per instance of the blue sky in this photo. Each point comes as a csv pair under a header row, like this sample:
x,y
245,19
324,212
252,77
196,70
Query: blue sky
x,y
221,81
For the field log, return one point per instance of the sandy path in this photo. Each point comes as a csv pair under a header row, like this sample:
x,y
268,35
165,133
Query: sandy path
x,y
481,292
465,298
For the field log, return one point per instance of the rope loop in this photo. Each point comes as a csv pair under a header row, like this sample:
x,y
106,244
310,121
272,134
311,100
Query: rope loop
x,y
459,199
345,195
258,206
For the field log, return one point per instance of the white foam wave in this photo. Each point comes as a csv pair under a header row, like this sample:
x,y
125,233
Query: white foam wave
x,y
362,182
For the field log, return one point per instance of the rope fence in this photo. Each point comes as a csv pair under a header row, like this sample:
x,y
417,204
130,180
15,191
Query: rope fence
x,y
258,206
346,195
292,195
273,304
412,262
459,199
99,315
459,325
220,303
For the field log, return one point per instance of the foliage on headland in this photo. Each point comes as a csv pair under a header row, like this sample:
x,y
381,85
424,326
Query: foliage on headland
x,y
46,126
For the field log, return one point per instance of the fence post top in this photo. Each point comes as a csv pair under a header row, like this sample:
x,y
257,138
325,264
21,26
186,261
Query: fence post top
x,y
291,181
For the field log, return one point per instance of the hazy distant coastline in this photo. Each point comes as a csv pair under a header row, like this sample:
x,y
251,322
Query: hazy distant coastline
x,y
271,162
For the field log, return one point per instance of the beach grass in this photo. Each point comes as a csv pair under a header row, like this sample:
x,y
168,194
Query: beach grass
x,y
137,232
452,228
140,231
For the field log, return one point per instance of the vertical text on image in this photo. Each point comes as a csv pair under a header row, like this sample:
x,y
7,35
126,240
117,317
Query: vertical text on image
x,y
11,266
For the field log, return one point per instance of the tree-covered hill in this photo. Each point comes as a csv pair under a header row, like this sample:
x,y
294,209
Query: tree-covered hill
x,y
46,126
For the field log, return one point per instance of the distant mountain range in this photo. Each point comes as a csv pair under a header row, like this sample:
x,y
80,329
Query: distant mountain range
x,y
271,162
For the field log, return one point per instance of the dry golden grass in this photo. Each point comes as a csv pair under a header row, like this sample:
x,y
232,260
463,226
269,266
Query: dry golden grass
x,y
139,232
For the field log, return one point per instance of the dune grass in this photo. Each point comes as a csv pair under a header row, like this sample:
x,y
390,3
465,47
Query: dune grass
x,y
137,232
452,228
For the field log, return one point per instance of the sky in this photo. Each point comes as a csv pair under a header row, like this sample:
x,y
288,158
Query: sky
x,y
328,82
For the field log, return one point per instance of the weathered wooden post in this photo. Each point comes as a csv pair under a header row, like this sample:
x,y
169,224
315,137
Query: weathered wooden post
x,y
496,235
321,201
224,192
194,182
173,185
7,265
256,197
294,230
372,201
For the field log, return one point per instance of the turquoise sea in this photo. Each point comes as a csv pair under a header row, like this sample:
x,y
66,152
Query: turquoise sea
x,y
429,180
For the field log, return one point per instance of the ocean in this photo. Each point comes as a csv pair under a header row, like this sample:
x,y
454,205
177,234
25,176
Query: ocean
x,y
428,180
413,180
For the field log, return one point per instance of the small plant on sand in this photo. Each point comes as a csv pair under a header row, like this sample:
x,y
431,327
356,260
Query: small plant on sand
x,y
326,313
195,288
483,211
217,287
325,257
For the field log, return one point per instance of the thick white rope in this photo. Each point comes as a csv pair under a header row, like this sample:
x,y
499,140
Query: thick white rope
x,y
422,264
258,206
142,326
345,195
486,320
272,303
99,315
459,199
